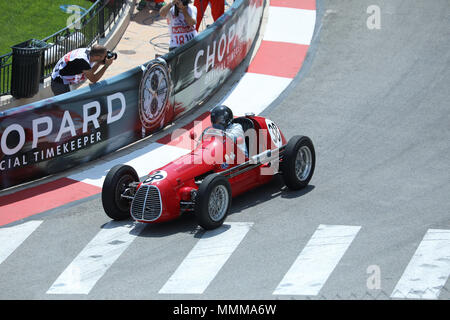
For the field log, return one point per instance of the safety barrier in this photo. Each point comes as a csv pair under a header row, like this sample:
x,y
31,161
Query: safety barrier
x,y
58,133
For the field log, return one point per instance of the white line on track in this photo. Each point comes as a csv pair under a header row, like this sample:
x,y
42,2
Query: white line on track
x,y
96,258
317,260
12,237
143,161
290,25
206,259
267,87
429,268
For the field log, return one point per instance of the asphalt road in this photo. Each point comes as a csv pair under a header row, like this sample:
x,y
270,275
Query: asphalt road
x,y
375,103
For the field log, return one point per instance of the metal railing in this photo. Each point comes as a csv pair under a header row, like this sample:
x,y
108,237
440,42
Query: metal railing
x,y
5,73
83,32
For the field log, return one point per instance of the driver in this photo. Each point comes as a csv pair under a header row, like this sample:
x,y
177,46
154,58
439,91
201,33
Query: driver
x,y
222,119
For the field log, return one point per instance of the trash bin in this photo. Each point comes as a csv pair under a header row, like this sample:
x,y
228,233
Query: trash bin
x,y
26,68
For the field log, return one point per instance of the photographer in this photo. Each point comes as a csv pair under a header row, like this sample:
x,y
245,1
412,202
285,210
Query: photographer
x,y
78,65
181,17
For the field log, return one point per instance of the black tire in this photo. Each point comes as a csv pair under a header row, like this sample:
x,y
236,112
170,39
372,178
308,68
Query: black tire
x,y
205,217
115,183
298,179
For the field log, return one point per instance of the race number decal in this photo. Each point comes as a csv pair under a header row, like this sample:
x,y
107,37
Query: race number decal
x,y
274,132
182,38
156,176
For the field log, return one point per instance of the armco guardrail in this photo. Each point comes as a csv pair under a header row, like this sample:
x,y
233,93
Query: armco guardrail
x,y
58,133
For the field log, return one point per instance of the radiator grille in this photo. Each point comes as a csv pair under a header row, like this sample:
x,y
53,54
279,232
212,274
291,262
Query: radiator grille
x,y
146,205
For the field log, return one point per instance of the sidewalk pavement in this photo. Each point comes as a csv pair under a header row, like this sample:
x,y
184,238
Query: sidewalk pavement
x,y
147,35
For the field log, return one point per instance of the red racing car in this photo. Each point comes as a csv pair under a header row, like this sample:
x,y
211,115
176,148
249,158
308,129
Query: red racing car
x,y
205,180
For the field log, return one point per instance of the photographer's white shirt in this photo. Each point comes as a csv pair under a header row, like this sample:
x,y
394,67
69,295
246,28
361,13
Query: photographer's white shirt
x,y
76,76
180,31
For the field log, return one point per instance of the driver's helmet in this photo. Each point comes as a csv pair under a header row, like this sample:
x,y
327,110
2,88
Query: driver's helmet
x,y
221,117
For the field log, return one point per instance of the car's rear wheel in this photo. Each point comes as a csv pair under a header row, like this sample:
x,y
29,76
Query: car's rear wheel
x,y
213,201
298,163
116,182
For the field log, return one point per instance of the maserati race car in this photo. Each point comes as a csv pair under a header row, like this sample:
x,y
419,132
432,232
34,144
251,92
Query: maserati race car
x,y
205,180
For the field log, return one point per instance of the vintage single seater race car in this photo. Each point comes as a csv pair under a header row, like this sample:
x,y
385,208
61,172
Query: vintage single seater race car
x,y
205,180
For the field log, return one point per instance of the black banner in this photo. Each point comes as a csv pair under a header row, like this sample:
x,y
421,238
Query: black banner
x,y
58,133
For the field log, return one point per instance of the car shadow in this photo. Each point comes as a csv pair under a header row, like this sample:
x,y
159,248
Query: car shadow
x,y
274,189
187,222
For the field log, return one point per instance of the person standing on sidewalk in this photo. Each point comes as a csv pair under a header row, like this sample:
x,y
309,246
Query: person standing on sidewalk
x,y
181,18
217,9
78,65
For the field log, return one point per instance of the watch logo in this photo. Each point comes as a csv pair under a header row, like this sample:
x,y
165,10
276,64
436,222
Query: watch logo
x,y
154,95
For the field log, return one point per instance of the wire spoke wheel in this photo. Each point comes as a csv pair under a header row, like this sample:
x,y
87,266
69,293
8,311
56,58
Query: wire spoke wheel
x,y
218,203
116,182
298,163
303,163
213,201
122,185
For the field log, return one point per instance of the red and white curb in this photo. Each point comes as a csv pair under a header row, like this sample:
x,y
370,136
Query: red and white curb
x,y
288,34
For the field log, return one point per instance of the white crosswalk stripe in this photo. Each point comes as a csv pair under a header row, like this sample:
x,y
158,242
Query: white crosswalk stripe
x,y
429,268
206,259
423,278
12,237
317,260
96,258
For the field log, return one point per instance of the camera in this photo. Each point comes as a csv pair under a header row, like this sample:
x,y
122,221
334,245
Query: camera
x,y
185,3
109,55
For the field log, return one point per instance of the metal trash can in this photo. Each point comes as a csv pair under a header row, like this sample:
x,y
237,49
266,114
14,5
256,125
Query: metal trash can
x,y
26,68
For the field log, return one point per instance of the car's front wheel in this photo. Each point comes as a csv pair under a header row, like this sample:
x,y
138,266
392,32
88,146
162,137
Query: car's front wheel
x,y
298,163
213,201
116,182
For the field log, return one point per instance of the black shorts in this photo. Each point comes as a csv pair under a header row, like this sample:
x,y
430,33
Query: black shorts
x,y
58,86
